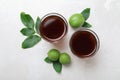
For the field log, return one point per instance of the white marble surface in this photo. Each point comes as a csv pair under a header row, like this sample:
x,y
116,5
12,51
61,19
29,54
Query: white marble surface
x,y
19,64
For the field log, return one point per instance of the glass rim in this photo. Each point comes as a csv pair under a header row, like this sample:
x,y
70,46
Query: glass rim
x,y
65,27
97,43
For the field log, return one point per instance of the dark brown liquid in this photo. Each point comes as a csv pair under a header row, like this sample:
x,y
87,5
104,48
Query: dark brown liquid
x,y
52,27
83,43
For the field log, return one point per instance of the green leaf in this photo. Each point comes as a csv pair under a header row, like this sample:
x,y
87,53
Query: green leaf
x,y
27,20
30,41
86,13
57,66
87,25
27,31
47,60
37,25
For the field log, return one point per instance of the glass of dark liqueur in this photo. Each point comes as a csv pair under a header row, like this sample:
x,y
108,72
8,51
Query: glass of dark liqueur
x,y
53,27
84,43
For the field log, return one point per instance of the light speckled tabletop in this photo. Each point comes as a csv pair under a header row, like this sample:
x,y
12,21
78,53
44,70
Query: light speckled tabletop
x,y
19,64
